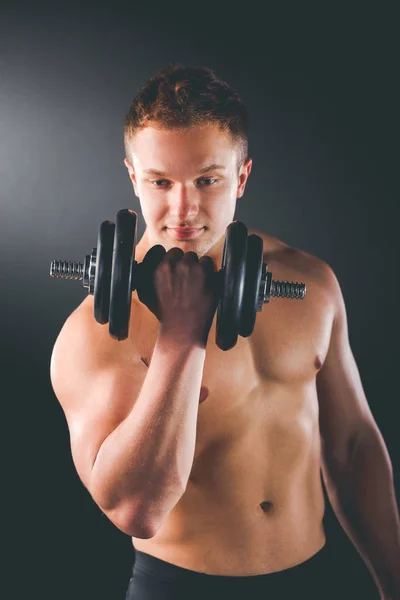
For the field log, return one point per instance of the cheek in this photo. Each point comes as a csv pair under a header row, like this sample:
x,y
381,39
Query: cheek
x,y
151,209
145,208
222,207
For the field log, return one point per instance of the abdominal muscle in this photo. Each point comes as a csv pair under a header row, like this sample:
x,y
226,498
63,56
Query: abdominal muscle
x,y
254,502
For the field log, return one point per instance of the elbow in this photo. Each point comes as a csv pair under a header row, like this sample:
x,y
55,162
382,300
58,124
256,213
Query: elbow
x,y
131,521
138,524
136,515
141,530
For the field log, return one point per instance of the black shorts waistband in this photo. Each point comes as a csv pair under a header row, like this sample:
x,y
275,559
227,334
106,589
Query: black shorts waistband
x,y
150,565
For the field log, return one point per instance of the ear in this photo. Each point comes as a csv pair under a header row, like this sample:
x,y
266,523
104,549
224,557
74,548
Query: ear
x,y
132,176
244,173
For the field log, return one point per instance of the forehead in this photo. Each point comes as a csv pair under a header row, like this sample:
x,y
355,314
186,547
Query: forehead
x,y
163,149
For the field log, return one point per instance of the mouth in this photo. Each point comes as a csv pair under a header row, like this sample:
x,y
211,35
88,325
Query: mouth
x,y
184,233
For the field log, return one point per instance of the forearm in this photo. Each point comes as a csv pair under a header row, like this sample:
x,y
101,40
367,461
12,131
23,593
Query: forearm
x,y
146,461
363,497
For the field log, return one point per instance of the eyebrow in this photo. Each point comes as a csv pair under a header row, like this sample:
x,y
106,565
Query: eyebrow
x,y
213,167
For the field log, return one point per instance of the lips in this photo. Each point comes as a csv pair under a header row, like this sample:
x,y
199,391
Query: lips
x,y
185,232
185,229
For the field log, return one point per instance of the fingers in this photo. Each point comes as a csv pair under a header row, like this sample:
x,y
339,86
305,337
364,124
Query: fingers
x,y
190,257
177,255
208,262
153,257
173,256
209,266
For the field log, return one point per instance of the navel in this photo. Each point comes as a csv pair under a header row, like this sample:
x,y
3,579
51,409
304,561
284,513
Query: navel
x,y
266,506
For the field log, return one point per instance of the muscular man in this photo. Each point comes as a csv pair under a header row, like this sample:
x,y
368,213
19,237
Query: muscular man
x,y
211,460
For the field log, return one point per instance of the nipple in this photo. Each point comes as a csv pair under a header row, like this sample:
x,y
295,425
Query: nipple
x,y
318,363
203,394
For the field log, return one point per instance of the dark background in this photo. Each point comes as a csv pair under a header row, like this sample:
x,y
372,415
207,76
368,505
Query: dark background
x,y
321,85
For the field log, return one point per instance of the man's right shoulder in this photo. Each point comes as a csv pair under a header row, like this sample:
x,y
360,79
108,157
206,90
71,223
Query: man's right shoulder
x,y
96,335
81,319
82,335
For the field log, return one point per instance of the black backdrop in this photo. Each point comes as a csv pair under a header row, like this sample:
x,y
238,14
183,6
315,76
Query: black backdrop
x,y
321,84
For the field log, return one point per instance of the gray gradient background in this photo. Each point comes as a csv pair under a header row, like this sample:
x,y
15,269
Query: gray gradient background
x,y
321,85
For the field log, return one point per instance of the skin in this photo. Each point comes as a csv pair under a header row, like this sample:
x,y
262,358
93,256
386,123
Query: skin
x,y
184,198
282,407
258,420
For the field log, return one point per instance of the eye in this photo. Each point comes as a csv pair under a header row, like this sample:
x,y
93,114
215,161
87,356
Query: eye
x,y
156,181
209,179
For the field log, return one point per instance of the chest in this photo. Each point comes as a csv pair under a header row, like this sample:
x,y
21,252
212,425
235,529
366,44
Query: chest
x,y
262,390
287,347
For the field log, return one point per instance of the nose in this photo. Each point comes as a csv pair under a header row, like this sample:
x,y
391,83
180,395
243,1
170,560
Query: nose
x,y
184,204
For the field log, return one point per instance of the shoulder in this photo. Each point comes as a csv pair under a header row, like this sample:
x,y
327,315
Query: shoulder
x,y
83,340
290,262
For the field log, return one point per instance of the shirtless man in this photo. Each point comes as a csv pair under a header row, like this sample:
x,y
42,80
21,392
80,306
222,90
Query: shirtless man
x,y
212,460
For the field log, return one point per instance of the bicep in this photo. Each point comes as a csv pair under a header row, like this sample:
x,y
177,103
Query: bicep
x,y
95,384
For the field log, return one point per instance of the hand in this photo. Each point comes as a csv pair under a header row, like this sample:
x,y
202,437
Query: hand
x,y
186,295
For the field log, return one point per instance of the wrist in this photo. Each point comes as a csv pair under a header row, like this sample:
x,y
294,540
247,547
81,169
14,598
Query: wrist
x,y
182,340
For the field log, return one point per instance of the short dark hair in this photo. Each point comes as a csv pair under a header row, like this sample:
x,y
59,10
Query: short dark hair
x,y
182,97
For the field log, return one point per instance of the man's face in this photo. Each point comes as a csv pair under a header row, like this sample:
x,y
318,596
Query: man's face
x,y
175,190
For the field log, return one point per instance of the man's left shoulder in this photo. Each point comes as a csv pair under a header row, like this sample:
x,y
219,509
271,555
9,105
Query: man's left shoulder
x,y
298,263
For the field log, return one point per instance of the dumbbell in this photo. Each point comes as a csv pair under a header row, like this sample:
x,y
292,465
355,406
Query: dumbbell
x,y
110,273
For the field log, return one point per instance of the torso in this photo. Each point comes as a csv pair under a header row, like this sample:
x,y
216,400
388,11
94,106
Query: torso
x,y
254,502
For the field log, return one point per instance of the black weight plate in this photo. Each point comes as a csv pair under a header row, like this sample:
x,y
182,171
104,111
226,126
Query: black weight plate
x,y
233,270
121,274
102,278
254,262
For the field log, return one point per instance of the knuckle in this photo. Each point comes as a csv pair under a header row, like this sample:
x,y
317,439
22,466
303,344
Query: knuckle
x,y
175,252
163,266
190,256
161,271
183,265
206,262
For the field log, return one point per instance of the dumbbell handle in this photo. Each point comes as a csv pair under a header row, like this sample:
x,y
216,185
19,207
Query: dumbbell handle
x,y
85,271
